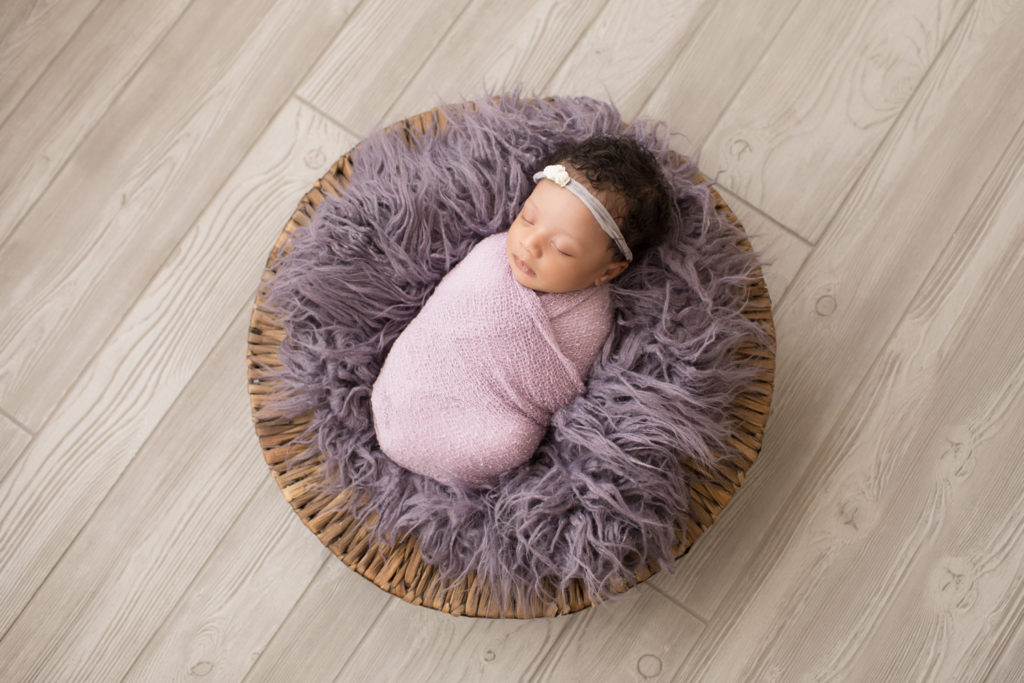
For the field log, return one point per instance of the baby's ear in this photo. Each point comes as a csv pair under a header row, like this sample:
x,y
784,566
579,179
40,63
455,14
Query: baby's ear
x,y
611,271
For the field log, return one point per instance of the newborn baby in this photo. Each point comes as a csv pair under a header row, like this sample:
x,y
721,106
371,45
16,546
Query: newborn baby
x,y
510,333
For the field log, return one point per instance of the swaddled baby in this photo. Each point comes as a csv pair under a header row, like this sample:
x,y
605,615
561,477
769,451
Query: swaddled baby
x,y
510,333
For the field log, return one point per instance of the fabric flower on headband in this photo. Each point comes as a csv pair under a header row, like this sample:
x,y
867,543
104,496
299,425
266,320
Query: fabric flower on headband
x,y
557,174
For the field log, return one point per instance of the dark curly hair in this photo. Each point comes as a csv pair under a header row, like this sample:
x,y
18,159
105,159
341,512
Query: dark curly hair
x,y
630,177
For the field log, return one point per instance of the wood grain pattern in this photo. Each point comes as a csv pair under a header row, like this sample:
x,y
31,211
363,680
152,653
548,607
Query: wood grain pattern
x,y
130,565
885,572
1010,665
132,189
239,599
32,34
43,131
858,281
150,357
584,646
440,647
713,66
595,645
813,112
629,47
497,45
334,613
356,81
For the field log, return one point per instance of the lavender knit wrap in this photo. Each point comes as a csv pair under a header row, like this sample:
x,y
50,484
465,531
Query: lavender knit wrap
x,y
607,487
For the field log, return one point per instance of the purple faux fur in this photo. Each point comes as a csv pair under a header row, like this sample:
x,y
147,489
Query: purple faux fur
x,y
606,488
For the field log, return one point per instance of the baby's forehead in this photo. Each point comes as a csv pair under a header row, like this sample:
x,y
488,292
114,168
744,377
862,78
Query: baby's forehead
x,y
562,212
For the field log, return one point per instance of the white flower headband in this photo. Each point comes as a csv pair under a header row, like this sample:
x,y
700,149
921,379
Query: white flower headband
x,y
558,175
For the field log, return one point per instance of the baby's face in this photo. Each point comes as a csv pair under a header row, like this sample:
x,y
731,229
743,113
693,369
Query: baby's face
x,y
556,245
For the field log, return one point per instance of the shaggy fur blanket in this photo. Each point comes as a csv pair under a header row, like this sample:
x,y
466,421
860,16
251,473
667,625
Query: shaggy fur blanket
x,y
469,387
606,487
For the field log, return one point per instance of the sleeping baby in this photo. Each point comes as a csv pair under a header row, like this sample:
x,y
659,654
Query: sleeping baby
x,y
509,335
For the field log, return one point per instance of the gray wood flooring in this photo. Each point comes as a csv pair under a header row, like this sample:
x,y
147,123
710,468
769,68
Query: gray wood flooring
x,y
152,150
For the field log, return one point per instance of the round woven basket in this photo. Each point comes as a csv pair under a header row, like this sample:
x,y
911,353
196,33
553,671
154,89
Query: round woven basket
x,y
400,569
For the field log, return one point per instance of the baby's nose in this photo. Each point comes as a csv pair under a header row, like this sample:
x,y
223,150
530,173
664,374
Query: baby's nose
x,y
532,243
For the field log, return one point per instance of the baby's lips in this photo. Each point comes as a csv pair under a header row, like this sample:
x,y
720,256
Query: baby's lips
x,y
522,265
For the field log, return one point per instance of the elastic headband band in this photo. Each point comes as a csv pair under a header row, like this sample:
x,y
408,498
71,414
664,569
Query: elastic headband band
x,y
559,176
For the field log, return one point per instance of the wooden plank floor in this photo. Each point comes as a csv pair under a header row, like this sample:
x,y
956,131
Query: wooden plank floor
x,y
151,151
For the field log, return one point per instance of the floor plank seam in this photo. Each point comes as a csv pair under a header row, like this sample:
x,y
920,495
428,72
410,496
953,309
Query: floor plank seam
x,y
256,138
764,214
416,72
138,297
170,408
314,63
363,637
320,112
852,187
49,65
750,73
17,423
576,43
287,616
88,130
996,178
58,561
18,461
120,474
666,596
182,597
387,112
547,657
229,528
776,297
157,43
661,79
144,647
742,589
819,468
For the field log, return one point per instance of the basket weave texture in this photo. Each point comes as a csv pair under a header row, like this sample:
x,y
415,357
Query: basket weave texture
x,y
400,569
